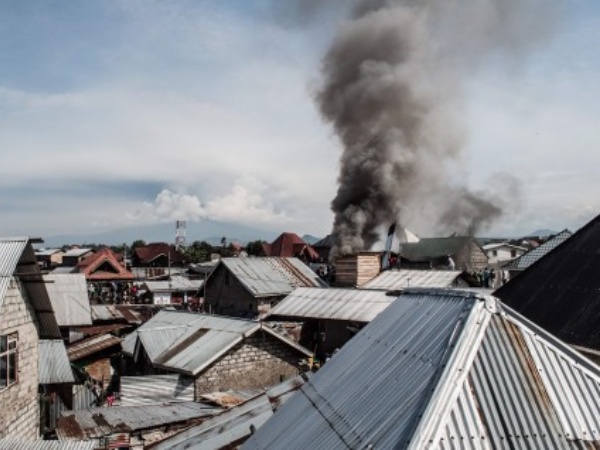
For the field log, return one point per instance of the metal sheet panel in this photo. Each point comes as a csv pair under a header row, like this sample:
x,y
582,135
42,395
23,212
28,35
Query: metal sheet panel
x,y
20,444
54,364
86,347
404,278
200,353
11,250
572,386
177,283
129,418
526,260
406,380
374,389
156,389
273,275
358,305
69,297
224,430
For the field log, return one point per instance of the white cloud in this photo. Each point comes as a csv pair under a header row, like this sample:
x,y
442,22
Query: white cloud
x,y
168,207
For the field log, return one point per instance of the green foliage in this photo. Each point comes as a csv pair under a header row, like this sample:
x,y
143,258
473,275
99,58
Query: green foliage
x,y
198,252
138,243
254,248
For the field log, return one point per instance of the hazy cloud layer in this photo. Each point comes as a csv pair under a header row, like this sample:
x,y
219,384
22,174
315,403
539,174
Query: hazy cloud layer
x,y
205,110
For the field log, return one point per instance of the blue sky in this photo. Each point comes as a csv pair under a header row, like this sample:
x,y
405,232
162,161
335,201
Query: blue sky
x,y
122,113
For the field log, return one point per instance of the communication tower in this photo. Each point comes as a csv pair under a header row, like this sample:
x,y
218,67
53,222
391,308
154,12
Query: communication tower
x,y
180,234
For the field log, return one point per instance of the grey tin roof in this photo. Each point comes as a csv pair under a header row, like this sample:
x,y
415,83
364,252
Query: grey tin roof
x,y
187,342
21,444
177,283
11,250
339,304
85,423
91,345
526,260
271,276
399,279
69,297
235,424
54,364
18,258
77,251
444,369
224,429
156,389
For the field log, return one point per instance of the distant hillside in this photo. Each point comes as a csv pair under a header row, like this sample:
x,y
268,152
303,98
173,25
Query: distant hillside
x,y
207,230
543,232
310,239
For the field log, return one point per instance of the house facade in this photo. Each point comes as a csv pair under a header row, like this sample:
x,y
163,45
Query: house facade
x,y
27,317
217,353
250,287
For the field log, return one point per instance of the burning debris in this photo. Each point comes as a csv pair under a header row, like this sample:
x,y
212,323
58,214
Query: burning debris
x,y
391,88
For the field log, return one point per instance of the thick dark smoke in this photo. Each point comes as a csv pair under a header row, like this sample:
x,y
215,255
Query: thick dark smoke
x,y
392,87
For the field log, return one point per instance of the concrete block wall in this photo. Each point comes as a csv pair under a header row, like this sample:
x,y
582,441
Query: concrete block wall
x,y
259,361
19,414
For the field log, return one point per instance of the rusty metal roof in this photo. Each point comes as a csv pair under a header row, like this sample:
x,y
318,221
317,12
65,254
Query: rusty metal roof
x,y
54,364
234,425
444,369
404,278
271,276
69,297
98,422
89,346
360,305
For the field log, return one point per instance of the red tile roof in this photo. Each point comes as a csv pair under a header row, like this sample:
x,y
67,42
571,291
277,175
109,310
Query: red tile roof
x,y
290,245
93,267
150,252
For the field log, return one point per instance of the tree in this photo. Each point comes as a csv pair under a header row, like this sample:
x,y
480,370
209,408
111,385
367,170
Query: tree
x,y
199,251
138,243
254,248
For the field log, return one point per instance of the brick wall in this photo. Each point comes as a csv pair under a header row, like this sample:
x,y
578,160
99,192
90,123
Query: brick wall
x,y
257,362
19,414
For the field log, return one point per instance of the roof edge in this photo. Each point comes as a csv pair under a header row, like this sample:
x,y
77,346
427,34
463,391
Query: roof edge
x,y
458,362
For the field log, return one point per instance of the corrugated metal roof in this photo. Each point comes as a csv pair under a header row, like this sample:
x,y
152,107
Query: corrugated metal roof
x,y
400,279
232,426
77,251
177,283
18,258
11,250
54,364
69,297
223,430
47,251
156,389
20,444
189,342
524,261
98,422
444,369
358,305
89,346
270,276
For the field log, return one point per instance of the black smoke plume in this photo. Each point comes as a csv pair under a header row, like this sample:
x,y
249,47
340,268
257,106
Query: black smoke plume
x,y
392,86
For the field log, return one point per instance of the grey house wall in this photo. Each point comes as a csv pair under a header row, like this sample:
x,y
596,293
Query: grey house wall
x,y
20,414
259,361
226,296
